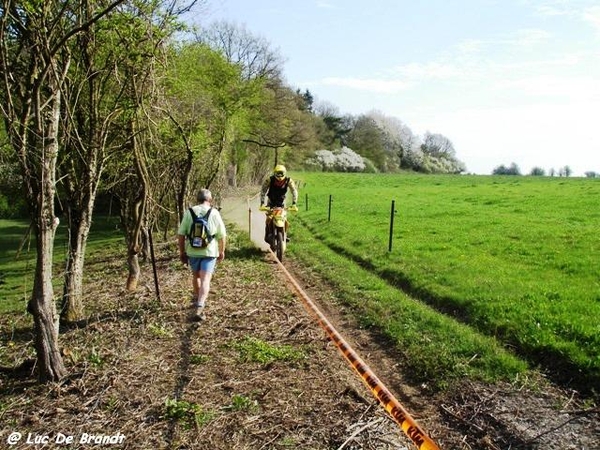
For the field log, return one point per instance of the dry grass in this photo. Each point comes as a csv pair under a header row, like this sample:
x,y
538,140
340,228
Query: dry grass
x,y
140,368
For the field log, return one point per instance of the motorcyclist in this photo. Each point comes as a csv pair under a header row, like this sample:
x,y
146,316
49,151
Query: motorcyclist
x,y
276,186
275,189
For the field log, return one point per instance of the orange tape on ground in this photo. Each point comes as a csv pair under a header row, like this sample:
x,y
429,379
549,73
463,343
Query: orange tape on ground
x,y
408,425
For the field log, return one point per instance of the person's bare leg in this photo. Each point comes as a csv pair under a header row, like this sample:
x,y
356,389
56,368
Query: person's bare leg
x,y
195,286
203,287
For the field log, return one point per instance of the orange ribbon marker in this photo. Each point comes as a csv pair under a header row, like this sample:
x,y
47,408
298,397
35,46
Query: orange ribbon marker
x,y
408,425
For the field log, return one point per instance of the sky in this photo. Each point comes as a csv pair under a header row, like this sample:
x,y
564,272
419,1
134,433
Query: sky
x,y
506,81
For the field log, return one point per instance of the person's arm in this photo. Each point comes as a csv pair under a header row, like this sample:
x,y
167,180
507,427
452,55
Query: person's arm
x,y
221,236
294,190
222,243
182,236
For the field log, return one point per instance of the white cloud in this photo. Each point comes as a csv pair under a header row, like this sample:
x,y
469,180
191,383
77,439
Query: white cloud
x,y
527,37
325,5
471,46
366,84
592,16
554,87
431,70
586,10
551,9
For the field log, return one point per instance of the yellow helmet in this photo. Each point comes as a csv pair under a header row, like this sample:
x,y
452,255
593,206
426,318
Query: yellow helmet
x,y
279,171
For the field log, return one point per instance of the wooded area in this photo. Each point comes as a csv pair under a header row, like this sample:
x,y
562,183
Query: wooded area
x,y
105,99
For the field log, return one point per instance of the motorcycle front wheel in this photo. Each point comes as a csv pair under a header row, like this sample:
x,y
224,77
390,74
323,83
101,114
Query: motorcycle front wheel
x,y
279,243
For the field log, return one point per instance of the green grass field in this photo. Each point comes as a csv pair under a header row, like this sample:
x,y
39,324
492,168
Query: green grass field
x,y
513,259
18,257
17,264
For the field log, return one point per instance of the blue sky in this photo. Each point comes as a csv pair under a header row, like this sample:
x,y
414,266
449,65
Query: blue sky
x,y
506,81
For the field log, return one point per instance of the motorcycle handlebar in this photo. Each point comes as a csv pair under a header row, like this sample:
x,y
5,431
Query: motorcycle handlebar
x,y
292,208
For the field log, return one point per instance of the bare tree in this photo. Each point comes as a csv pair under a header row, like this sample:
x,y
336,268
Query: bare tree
x,y
435,144
279,123
152,23
34,62
92,104
275,122
240,47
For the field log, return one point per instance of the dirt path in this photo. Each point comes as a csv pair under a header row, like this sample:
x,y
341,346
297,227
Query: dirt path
x,y
237,210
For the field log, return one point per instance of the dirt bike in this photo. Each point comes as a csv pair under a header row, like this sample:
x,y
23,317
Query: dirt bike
x,y
276,228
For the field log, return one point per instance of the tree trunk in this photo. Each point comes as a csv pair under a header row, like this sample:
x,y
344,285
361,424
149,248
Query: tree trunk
x,y
135,210
184,183
42,306
79,228
133,264
232,175
145,244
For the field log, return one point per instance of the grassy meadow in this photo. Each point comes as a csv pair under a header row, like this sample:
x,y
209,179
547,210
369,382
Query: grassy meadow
x,y
17,263
18,257
484,271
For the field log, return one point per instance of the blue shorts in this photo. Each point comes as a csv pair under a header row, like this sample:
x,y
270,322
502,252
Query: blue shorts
x,y
203,263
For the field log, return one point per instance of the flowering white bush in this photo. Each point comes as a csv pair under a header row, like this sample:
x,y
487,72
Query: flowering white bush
x,y
341,160
347,160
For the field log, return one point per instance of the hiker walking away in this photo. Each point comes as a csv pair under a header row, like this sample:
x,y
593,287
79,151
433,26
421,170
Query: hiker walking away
x,y
201,252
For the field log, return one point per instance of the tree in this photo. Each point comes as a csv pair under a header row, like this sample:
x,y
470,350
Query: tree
x,y
94,100
200,93
332,128
565,171
437,145
242,48
307,100
148,26
367,139
399,142
91,106
34,61
537,172
513,169
279,125
268,115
